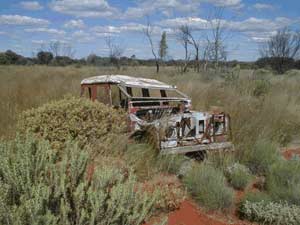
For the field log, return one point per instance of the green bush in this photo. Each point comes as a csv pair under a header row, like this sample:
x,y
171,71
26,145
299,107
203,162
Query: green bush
x,y
208,185
91,124
174,164
142,158
271,213
262,156
283,181
36,188
238,176
221,160
256,197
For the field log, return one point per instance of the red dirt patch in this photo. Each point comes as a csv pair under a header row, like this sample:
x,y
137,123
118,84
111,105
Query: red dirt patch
x,y
190,214
289,153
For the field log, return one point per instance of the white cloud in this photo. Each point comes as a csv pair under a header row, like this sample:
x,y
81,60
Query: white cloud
x,y
255,28
224,3
31,5
22,20
84,8
166,7
127,28
72,24
194,22
83,36
38,42
262,6
45,30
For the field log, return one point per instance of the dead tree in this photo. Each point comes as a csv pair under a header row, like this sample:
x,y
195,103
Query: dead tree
x,y
186,32
115,51
148,31
281,49
284,43
58,48
216,47
183,38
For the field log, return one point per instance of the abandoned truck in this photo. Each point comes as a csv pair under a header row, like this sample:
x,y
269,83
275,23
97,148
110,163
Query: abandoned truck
x,y
151,103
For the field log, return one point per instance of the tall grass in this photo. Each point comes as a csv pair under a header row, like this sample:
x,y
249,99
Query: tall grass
x,y
261,105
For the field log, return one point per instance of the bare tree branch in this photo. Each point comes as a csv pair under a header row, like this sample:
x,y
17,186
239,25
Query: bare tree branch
x,y
148,31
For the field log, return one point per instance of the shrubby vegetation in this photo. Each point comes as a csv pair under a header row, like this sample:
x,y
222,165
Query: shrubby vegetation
x,y
283,181
271,213
38,187
238,176
92,124
262,156
208,185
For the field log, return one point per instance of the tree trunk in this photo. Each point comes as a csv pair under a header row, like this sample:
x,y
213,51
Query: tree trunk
x,y
157,66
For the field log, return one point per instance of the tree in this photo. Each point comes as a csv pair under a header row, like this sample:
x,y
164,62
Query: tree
x,y
183,38
3,59
188,38
44,57
282,48
58,48
12,57
163,47
115,51
148,31
215,46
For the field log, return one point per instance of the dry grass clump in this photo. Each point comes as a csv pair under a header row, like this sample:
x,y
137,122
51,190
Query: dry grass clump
x,y
91,124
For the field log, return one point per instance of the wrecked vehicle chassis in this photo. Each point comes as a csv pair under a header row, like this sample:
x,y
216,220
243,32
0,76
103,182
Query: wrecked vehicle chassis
x,y
153,104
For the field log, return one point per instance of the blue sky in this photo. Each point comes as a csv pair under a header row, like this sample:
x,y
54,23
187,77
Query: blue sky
x,y
26,26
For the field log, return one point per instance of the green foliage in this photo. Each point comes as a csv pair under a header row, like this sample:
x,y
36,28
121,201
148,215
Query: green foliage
x,y
163,46
271,213
238,176
36,188
260,87
221,160
44,57
256,197
91,124
142,158
208,185
283,181
262,156
174,164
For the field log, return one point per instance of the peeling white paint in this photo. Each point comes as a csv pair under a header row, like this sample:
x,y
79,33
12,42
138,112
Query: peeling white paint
x,y
128,81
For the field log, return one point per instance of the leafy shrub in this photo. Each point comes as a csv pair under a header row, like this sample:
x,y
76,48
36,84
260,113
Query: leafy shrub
x,y
91,124
36,188
262,156
208,185
271,213
238,176
283,181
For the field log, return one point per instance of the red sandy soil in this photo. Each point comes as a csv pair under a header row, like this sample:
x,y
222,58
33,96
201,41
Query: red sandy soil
x,y
289,153
189,213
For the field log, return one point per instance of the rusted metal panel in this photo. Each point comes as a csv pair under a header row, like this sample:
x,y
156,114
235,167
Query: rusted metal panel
x,y
197,148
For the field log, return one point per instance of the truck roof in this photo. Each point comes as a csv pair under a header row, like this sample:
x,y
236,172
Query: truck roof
x,y
128,81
